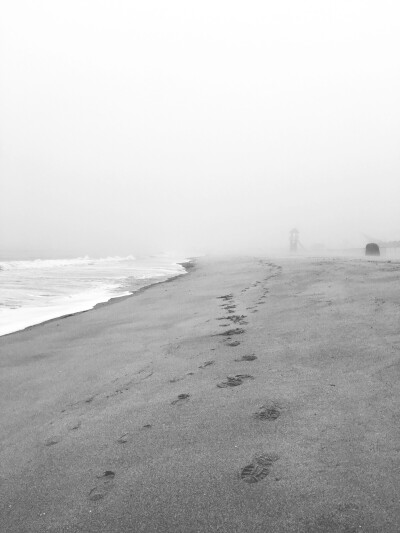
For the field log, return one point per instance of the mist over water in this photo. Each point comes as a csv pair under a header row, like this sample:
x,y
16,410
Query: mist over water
x,y
139,127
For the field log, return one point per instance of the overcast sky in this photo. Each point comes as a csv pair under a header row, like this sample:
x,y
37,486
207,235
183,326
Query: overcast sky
x,y
129,126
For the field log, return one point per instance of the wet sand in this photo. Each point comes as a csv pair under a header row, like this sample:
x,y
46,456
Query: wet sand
x,y
247,396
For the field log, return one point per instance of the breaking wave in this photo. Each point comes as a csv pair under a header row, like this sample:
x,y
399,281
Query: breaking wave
x,y
42,289
54,263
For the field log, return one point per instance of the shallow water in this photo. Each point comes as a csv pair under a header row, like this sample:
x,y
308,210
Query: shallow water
x,y
39,290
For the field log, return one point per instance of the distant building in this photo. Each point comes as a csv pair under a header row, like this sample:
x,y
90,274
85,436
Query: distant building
x,y
372,249
386,248
390,248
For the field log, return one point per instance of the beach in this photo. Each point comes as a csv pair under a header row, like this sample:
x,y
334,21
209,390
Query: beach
x,y
250,395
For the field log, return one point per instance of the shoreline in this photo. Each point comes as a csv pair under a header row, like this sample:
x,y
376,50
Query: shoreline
x,y
253,395
188,265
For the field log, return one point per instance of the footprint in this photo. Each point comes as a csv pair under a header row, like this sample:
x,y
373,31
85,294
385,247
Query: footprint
x,y
108,475
206,363
229,332
174,380
234,381
268,412
233,343
237,319
231,381
52,440
244,376
104,487
259,468
123,438
181,398
250,357
226,297
75,425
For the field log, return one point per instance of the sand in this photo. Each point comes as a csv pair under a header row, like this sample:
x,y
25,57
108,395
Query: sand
x,y
144,415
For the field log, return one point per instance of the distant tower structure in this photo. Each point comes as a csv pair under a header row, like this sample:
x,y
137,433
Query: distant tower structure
x,y
294,239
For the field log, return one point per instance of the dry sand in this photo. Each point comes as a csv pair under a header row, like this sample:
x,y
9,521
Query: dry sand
x,y
98,435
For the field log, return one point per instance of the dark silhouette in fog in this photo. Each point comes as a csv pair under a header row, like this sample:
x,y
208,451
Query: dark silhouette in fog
x,y
372,249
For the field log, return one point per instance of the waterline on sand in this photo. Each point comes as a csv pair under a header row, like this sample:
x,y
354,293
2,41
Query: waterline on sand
x,y
37,291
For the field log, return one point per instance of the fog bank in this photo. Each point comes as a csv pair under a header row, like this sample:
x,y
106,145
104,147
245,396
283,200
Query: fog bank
x,y
135,127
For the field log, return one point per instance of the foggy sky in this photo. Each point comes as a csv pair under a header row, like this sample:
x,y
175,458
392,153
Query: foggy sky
x,y
134,126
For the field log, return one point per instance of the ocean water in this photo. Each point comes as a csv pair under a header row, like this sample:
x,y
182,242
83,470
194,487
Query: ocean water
x,y
32,292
